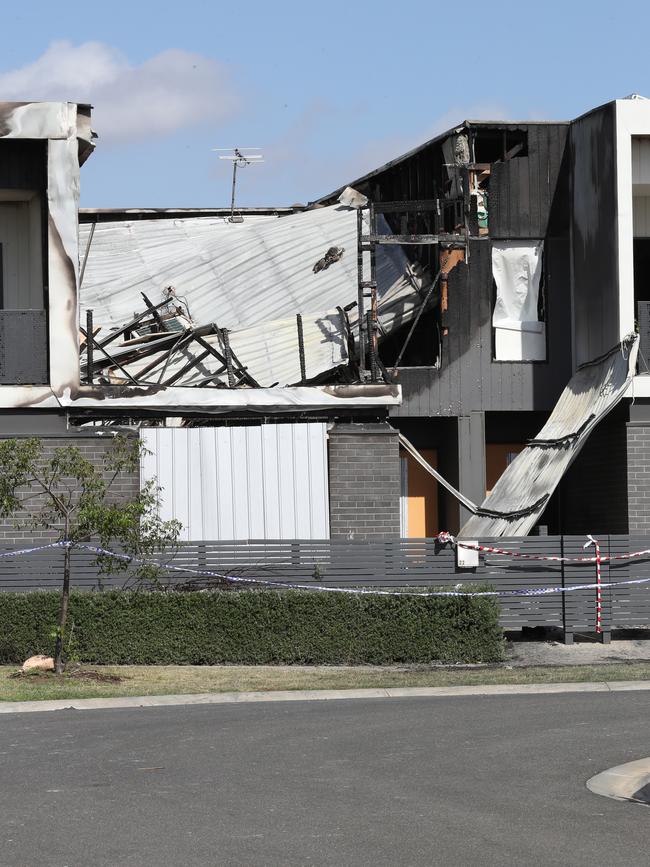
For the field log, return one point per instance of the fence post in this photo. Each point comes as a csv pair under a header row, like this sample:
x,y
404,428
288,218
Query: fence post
x,y
567,627
607,598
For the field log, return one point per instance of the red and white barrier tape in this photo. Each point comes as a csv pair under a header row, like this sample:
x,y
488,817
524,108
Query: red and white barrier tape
x,y
444,537
599,596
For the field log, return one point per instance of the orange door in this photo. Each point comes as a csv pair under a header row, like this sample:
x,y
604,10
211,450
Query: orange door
x,y
421,496
497,457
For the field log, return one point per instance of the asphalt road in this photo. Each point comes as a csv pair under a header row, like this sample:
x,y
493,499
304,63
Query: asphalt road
x,y
444,781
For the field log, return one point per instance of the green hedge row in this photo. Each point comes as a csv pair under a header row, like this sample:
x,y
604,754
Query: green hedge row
x,y
254,627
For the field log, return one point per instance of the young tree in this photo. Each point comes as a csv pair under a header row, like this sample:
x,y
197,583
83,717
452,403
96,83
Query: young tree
x,y
74,499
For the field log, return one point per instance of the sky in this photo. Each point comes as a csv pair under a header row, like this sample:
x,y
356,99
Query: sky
x,y
326,91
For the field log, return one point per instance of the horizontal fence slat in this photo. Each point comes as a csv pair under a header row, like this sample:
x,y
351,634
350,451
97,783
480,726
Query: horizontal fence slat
x,y
391,563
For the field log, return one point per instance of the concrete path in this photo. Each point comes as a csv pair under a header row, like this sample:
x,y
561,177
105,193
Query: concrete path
x,y
587,650
497,780
320,695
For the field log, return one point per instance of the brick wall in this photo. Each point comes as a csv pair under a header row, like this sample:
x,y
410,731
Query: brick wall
x,y
364,479
594,492
638,476
93,448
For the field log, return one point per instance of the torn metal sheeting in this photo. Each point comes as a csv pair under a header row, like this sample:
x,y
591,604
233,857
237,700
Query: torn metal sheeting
x,y
210,401
518,499
251,278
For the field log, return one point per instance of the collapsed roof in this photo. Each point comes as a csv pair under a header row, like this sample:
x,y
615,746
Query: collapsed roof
x,y
251,279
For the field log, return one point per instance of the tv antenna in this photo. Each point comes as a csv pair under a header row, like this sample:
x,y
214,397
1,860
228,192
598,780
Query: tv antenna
x,y
239,157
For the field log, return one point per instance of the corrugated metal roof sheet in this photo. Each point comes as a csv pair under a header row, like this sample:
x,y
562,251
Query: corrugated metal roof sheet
x,y
252,278
520,495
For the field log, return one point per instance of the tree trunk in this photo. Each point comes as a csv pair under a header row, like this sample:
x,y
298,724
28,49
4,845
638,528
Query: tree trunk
x,y
63,611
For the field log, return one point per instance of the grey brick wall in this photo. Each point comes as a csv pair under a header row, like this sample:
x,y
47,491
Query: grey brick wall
x,y
638,476
93,448
364,479
594,492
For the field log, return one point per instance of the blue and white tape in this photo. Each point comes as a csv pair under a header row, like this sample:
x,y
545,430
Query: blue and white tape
x,y
283,585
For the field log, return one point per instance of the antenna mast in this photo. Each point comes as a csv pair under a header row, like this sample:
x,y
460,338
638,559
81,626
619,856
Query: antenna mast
x,y
239,160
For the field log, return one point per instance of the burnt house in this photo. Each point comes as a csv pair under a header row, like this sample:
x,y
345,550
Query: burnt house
x,y
560,211
449,342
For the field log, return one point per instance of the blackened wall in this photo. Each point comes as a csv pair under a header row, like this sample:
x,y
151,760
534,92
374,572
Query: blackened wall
x,y
364,480
522,190
468,378
94,449
594,233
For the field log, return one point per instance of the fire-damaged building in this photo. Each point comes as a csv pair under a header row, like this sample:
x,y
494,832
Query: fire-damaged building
x,y
456,340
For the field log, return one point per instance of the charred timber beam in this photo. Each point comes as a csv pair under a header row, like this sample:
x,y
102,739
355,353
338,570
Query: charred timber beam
x,y
185,369
129,326
164,342
235,362
182,341
451,240
399,207
89,343
360,295
154,312
228,354
244,370
373,315
372,337
301,349
113,361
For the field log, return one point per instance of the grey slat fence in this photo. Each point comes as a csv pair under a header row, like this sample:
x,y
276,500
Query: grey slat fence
x,y
395,563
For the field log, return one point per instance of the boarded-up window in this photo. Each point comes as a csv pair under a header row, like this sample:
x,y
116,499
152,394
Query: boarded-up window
x,y
519,330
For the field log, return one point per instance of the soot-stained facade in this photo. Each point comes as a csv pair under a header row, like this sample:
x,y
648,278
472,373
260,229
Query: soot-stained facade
x,y
448,297
472,396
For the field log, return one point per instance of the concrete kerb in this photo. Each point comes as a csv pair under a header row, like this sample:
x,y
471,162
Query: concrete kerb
x,y
487,690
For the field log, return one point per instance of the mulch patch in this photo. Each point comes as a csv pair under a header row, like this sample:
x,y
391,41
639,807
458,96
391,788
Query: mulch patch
x,y
76,674
98,676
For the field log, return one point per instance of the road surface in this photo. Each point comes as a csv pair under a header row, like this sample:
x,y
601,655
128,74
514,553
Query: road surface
x,y
418,781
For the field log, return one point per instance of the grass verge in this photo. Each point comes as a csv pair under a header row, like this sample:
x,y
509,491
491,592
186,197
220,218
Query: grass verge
x,y
187,679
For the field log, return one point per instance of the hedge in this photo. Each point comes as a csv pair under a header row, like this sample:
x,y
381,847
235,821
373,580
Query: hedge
x,y
254,627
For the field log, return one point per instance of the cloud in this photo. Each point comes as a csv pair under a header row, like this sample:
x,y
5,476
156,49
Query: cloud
x,y
170,91
308,160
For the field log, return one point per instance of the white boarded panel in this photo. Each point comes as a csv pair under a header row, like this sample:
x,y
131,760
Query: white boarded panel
x,y
225,489
641,216
194,528
319,494
286,493
208,525
247,482
255,499
301,483
180,476
640,160
270,469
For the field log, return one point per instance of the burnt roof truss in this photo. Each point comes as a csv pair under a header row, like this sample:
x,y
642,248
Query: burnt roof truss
x,y
409,214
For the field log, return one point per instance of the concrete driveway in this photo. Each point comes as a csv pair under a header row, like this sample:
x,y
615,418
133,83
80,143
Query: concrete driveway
x,y
448,781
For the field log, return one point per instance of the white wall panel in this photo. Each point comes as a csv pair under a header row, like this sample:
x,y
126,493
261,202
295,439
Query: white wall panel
x,y
640,160
250,482
641,216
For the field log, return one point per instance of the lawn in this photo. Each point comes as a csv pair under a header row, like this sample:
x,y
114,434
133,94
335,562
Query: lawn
x,y
176,679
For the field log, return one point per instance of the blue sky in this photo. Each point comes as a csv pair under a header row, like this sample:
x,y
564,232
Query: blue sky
x,y
326,90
